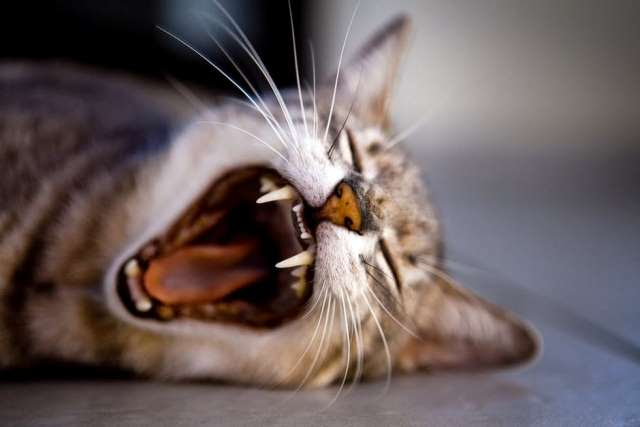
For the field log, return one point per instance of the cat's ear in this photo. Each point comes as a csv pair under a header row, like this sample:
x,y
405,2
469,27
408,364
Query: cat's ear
x,y
368,78
460,330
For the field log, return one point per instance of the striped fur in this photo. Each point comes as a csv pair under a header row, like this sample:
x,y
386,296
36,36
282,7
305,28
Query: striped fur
x,y
71,148
93,165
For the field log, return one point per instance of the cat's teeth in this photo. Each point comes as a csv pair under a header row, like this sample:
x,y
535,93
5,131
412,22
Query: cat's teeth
x,y
266,185
298,272
284,193
303,258
143,305
165,312
149,251
299,286
186,310
297,208
140,300
305,236
208,310
132,268
133,272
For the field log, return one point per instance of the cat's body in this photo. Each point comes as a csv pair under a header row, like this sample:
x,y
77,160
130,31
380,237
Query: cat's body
x,y
93,169
72,147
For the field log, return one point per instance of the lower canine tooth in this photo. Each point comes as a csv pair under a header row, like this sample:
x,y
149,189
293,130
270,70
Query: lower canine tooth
x,y
284,193
305,236
303,258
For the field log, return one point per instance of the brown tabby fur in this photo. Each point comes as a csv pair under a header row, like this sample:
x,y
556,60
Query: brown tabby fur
x,y
82,156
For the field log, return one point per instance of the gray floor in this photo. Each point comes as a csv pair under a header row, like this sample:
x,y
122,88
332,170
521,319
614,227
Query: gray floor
x,y
550,231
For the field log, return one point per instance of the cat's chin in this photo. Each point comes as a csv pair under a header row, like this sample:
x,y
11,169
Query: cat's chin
x,y
221,260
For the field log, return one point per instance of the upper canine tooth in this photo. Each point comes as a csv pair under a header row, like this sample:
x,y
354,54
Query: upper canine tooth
x,y
284,193
303,258
297,208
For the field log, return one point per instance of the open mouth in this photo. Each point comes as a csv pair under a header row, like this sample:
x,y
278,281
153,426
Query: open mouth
x,y
222,260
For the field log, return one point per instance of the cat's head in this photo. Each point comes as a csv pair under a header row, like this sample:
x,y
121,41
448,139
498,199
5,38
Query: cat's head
x,y
334,272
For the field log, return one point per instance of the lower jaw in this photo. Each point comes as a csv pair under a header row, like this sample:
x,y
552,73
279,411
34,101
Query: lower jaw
x,y
276,298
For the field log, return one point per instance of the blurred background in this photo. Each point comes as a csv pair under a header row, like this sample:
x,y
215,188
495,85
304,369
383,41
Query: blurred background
x,y
530,144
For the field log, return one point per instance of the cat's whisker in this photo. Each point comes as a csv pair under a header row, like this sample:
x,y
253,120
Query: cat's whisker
x,y
227,76
323,296
246,132
437,272
335,86
344,122
297,70
245,78
239,70
247,46
383,338
351,332
401,136
382,287
443,101
386,310
313,77
188,94
309,310
357,328
451,264
347,344
327,326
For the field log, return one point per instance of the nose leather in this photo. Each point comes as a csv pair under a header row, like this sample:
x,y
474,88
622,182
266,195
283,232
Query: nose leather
x,y
342,208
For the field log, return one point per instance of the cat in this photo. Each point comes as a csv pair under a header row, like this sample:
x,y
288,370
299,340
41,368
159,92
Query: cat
x,y
280,241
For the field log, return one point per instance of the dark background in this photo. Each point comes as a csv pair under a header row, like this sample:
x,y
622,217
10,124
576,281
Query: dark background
x,y
123,35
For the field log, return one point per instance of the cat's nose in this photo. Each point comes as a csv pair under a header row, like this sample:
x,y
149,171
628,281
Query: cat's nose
x,y
342,208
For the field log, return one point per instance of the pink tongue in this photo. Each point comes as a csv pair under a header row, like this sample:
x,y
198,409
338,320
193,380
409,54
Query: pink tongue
x,y
199,274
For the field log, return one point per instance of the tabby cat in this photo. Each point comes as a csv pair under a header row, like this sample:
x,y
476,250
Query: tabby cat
x,y
281,241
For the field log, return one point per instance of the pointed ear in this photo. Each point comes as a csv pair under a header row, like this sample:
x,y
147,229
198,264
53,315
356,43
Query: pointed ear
x,y
367,79
460,330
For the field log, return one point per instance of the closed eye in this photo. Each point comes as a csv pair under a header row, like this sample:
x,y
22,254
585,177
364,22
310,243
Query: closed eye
x,y
356,160
342,126
386,253
355,155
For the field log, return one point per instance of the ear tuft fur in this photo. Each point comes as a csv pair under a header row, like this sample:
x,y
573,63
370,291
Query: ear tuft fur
x,y
369,77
